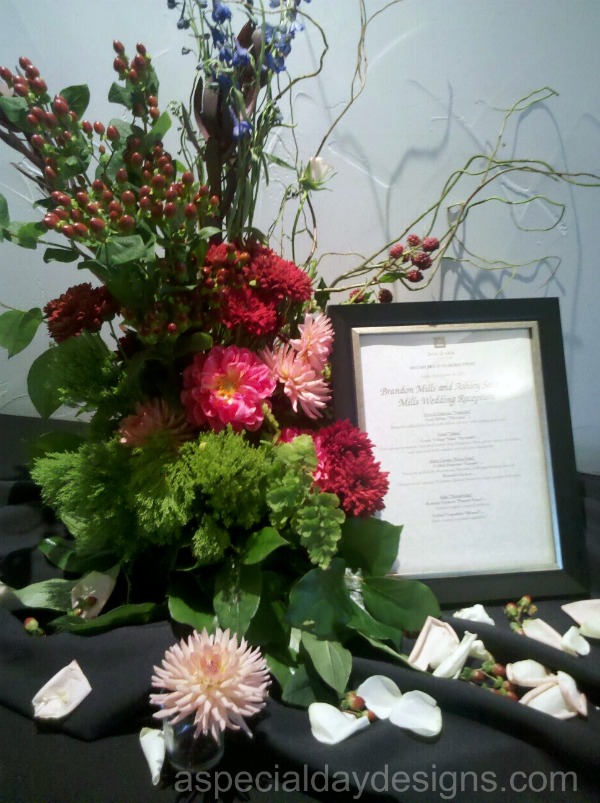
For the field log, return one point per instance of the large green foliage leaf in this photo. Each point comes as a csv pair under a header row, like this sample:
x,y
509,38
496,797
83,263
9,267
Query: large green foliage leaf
x,y
403,604
369,544
15,108
139,614
260,544
4,216
77,97
320,601
305,687
237,596
120,250
363,623
41,384
62,553
186,604
18,328
332,661
53,594
26,235
60,255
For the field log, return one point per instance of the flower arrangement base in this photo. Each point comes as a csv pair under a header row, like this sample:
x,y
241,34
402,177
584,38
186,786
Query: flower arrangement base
x,y
188,753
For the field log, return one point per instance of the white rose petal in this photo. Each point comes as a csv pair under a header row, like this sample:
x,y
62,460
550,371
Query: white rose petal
x,y
417,712
91,594
559,698
153,745
437,640
380,695
586,612
574,643
528,673
479,651
590,628
318,170
62,694
541,631
476,613
331,726
452,665
571,694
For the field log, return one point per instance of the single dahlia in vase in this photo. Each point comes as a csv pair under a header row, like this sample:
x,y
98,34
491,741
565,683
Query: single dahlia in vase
x,y
214,678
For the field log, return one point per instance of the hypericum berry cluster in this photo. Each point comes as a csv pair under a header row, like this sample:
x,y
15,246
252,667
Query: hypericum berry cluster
x,y
355,704
491,676
517,611
416,252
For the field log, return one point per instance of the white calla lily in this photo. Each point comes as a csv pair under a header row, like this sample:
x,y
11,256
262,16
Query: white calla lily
x,y
91,593
452,665
437,640
329,725
541,631
380,694
573,642
152,741
62,693
476,613
419,713
528,673
586,612
559,698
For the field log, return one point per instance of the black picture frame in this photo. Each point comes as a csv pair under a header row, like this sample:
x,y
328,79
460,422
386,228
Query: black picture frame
x,y
568,577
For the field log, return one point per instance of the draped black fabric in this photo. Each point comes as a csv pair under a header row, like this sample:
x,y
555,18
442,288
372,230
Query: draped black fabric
x,y
490,748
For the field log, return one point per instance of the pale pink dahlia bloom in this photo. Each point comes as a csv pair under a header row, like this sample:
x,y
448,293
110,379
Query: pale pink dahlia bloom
x,y
212,678
315,341
301,384
149,418
228,385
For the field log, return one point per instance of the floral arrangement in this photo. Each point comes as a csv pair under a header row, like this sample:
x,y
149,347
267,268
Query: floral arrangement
x,y
213,486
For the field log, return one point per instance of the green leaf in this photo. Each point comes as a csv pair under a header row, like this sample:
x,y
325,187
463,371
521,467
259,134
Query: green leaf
x,y
363,623
320,601
60,255
185,604
139,614
18,328
119,94
237,596
161,126
14,108
54,442
260,544
404,604
4,216
52,594
305,687
369,544
62,553
280,669
120,250
317,522
332,661
25,234
269,625
78,98
206,232
199,341
41,384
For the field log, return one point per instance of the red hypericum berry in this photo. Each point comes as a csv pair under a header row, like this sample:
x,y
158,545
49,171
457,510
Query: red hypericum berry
x,y
98,186
82,198
101,149
499,670
478,676
68,230
115,206
50,221
21,89
99,127
191,211
122,175
24,62
120,65
112,133
31,624
144,190
97,225
157,210
152,101
187,178
512,696
32,72
385,296
92,209
39,86
81,229
136,159
118,46
73,116
128,198
154,113
126,223
214,201
170,209
371,716
76,215
134,77
86,127
6,75
430,244
396,251
32,120
145,202
141,48
421,260
413,240
172,328
50,120
107,196
38,141
139,63
414,276
60,105
158,181
172,192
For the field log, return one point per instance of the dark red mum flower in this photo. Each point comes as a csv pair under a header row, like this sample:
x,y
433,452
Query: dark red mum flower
x,y
81,308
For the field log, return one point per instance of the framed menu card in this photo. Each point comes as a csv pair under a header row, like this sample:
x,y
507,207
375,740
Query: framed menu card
x,y
467,406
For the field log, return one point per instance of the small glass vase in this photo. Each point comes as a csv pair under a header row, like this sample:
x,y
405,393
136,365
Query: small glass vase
x,y
187,753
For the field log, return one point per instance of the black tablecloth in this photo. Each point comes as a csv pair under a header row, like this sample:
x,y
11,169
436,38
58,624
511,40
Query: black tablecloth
x,y
490,748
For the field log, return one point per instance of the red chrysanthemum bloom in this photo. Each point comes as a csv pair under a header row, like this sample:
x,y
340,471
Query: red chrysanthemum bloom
x,y
81,308
245,308
277,277
226,386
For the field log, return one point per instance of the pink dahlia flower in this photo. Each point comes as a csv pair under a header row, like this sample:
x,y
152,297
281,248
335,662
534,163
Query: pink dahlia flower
x,y
315,341
300,382
228,385
212,678
149,418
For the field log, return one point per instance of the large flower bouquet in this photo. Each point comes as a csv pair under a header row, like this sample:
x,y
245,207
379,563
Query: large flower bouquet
x,y
213,485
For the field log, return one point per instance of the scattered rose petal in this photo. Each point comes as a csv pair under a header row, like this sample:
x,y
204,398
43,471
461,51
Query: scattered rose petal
x,y
559,698
331,726
436,641
452,665
152,741
479,651
573,642
380,695
62,694
586,612
528,673
476,613
417,712
541,631
91,593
